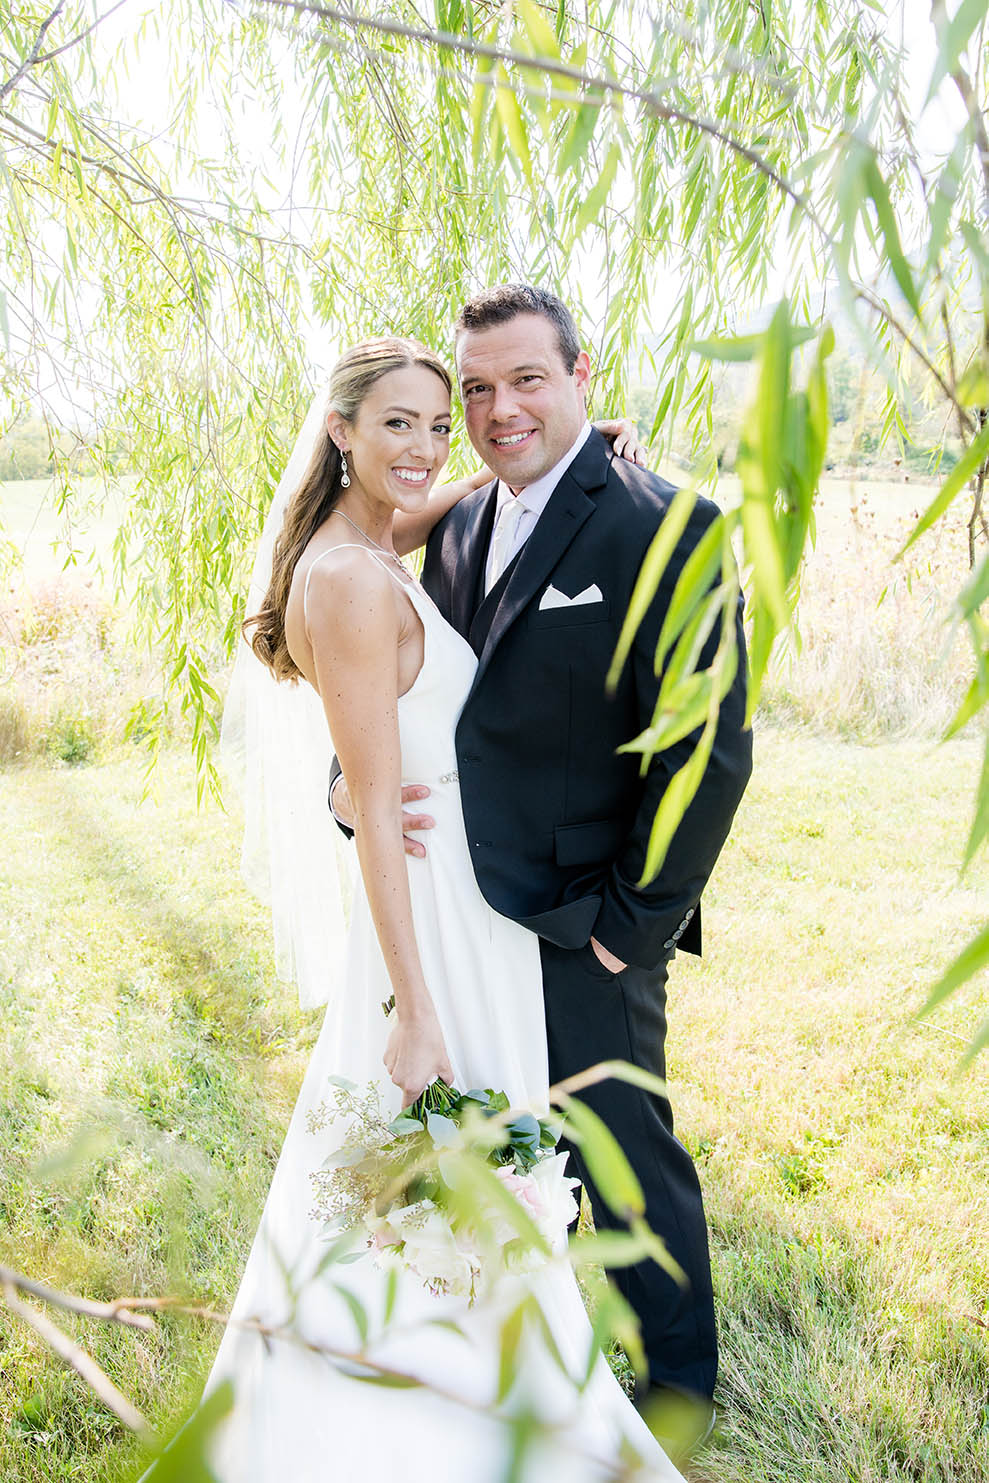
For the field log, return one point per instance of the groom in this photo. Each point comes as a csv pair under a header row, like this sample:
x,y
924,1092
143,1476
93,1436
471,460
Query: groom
x,y
536,569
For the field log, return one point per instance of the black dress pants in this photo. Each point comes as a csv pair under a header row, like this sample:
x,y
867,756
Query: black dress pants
x,y
593,1015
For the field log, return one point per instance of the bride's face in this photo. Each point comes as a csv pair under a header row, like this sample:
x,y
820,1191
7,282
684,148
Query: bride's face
x,y
400,438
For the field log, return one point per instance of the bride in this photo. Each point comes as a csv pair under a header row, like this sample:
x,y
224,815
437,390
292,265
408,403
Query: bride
x,y
336,609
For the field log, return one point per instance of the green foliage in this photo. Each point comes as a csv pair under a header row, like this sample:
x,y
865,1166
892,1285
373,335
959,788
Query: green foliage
x,y
155,269
71,736
144,1044
182,1460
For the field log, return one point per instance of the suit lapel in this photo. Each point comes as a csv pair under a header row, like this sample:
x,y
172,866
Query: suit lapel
x,y
568,508
468,577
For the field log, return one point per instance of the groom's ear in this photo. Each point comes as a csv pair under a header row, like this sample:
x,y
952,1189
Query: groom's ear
x,y
582,374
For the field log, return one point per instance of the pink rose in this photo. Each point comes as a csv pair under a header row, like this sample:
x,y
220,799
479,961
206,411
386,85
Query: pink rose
x,y
524,1188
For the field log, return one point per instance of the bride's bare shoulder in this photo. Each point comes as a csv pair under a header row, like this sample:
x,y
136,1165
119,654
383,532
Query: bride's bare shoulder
x,y
342,585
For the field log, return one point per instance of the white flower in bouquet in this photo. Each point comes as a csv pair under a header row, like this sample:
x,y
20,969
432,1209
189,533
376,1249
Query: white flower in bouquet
x,y
554,1207
395,1181
433,1251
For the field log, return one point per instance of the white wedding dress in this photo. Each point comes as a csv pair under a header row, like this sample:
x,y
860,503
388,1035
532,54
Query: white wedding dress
x,y
298,1416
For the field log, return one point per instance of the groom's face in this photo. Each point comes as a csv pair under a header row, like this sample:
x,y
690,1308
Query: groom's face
x,y
523,407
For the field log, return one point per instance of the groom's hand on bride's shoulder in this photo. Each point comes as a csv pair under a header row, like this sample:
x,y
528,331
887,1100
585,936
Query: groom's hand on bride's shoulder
x,y
343,809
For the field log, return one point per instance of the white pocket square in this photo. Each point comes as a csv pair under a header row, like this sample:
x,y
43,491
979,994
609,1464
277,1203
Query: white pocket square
x,y
552,598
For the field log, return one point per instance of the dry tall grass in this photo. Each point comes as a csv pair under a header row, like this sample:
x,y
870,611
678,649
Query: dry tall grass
x,y
68,678
875,655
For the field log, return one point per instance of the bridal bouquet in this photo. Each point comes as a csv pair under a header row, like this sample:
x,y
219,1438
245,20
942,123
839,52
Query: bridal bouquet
x,y
454,1189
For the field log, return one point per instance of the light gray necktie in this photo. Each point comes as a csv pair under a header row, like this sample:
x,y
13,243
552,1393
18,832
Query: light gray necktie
x,y
503,537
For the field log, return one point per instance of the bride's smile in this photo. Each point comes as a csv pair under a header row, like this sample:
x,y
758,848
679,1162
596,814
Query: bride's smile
x,y
395,446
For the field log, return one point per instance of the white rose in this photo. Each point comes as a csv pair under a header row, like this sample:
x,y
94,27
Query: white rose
x,y
556,1204
432,1252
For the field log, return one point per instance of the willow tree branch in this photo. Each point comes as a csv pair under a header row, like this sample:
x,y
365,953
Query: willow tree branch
x,y
68,45
446,41
119,1311
90,1372
871,297
71,1354
650,100
978,121
34,55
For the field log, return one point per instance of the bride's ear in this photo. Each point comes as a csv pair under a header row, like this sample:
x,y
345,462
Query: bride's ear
x,y
339,430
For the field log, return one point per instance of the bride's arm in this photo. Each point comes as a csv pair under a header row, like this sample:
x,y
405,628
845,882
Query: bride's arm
x,y
354,630
409,532
412,531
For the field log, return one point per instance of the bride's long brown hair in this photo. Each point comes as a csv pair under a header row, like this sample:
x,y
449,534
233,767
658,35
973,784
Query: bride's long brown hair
x,y
352,377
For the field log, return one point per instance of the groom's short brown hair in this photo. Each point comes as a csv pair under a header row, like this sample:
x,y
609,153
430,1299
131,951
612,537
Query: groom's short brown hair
x,y
507,300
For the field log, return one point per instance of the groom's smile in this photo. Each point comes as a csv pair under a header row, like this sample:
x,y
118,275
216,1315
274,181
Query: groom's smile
x,y
523,408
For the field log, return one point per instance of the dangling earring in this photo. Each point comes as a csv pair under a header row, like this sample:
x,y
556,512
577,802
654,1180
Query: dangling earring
x,y
344,476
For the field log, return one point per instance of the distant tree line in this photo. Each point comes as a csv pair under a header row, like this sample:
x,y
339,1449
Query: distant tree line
x,y
30,448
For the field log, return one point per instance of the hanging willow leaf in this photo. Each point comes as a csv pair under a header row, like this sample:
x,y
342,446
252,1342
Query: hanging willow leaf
x,y
971,460
954,35
879,192
710,554
535,32
656,560
184,1459
513,123
979,832
973,385
969,962
599,193
613,1175
578,141
675,801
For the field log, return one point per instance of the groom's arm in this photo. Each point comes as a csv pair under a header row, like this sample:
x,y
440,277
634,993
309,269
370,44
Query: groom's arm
x,y
643,925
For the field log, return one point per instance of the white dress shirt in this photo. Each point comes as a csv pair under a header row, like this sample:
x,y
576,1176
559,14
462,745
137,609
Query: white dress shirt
x,y
534,497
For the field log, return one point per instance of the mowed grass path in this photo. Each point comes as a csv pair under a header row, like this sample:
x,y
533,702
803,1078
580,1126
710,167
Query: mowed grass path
x,y
150,1061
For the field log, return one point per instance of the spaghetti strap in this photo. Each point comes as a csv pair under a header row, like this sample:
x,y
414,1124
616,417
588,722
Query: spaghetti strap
x,y
348,546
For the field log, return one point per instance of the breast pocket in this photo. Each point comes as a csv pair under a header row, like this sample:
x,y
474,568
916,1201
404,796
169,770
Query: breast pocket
x,y
578,615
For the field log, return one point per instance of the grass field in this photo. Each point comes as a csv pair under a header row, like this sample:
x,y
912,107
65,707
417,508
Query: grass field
x,y
150,1062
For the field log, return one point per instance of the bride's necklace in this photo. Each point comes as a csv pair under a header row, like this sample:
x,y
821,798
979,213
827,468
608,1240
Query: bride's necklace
x,y
371,541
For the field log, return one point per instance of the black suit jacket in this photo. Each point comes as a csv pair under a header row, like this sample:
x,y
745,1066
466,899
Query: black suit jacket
x,y
557,821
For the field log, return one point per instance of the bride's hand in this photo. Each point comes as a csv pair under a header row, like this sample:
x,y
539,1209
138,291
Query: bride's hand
x,y
624,434
416,1055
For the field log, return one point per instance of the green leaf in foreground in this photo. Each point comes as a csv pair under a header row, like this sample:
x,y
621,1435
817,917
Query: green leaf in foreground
x,y
183,1458
745,347
616,1180
979,831
389,1382
636,1076
656,560
963,470
953,36
609,1249
969,961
